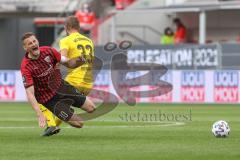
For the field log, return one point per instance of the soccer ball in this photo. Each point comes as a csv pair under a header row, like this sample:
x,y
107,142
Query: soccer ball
x,y
220,129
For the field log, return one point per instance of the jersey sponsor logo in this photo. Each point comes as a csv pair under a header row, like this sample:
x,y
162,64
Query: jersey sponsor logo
x,y
192,86
226,86
7,85
47,72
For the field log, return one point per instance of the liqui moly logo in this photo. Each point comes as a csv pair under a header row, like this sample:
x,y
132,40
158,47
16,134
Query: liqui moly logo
x,y
101,87
102,79
167,77
192,86
226,86
7,85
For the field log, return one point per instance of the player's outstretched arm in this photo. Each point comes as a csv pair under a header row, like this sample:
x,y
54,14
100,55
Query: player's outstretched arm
x,y
32,100
72,63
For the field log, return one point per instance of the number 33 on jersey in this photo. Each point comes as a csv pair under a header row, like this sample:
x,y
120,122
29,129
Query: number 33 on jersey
x,y
79,45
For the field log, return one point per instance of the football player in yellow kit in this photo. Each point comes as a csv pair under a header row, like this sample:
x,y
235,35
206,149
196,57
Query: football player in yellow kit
x,y
75,45
71,46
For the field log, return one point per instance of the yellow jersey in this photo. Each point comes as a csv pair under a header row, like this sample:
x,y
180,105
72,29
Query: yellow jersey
x,y
79,45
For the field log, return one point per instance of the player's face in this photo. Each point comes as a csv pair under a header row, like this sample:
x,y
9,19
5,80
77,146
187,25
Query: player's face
x,y
31,45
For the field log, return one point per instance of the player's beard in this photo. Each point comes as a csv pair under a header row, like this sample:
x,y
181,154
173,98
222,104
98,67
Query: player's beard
x,y
35,53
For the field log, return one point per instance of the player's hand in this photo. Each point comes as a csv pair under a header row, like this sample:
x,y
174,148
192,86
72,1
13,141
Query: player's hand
x,y
80,60
41,120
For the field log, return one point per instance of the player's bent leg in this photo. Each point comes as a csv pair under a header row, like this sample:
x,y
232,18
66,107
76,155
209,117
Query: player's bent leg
x,y
88,106
58,121
76,121
63,110
48,115
81,101
52,127
52,120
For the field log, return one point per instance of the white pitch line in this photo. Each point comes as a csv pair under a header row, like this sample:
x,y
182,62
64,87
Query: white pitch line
x,y
97,126
139,126
17,127
106,120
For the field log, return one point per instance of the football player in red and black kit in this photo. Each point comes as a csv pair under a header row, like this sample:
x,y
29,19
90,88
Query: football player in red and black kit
x,y
43,83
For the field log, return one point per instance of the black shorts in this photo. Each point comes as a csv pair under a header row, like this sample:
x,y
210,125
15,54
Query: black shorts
x,y
65,97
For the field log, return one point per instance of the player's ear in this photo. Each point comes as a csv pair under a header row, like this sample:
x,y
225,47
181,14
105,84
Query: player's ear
x,y
24,47
65,28
24,44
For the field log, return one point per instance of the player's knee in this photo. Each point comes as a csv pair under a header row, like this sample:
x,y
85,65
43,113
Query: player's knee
x,y
77,124
91,109
75,121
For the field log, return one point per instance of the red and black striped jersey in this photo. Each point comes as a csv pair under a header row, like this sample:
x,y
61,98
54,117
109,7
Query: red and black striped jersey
x,y
43,73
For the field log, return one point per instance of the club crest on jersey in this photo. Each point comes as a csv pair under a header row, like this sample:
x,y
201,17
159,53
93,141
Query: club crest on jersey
x,y
47,59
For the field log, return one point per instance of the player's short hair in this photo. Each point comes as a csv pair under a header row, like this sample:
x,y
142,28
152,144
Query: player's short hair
x,y
72,23
27,35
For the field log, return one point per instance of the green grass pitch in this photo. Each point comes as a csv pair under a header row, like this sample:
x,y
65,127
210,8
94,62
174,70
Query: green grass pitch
x,y
117,136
